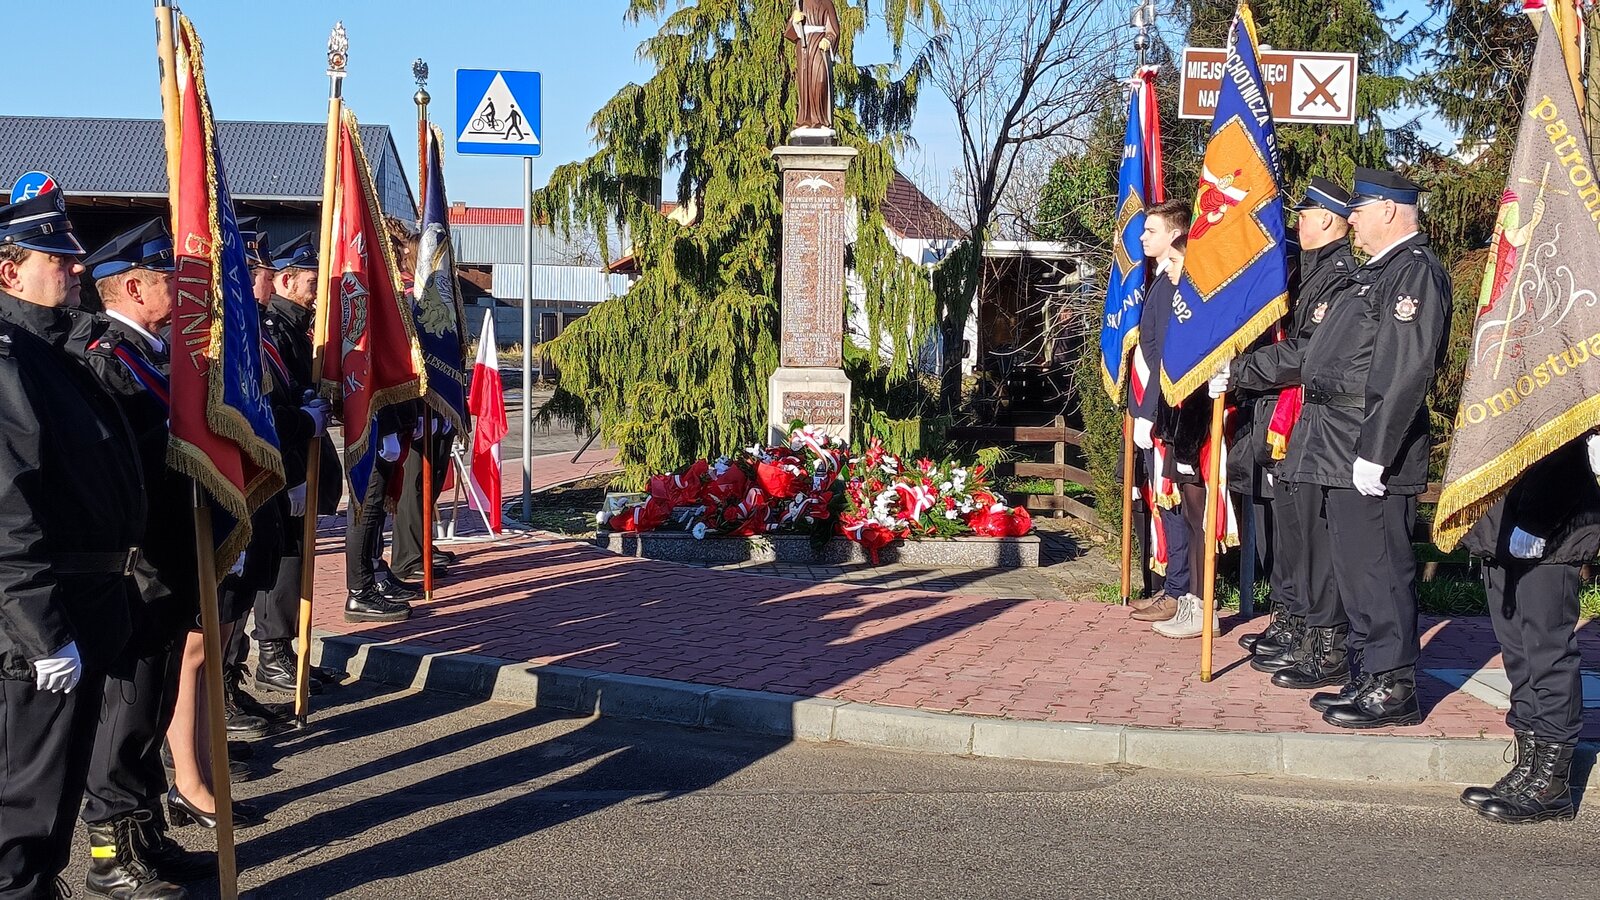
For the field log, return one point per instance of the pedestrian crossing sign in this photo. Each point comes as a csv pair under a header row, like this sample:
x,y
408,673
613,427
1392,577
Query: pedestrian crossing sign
x,y
497,112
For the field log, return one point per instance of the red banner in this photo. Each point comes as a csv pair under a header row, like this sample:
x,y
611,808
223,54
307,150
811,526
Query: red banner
x,y
222,432
371,360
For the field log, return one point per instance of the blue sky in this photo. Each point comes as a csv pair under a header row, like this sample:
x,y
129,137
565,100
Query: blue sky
x,y
266,58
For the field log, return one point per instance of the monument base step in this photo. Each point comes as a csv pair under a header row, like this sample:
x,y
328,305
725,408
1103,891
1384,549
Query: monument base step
x,y
955,553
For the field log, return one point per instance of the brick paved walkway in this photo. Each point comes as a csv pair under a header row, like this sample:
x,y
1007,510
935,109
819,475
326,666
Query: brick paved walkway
x,y
562,602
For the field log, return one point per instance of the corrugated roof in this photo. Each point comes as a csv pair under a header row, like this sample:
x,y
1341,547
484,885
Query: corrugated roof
x,y
462,214
483,245
560,283
127,158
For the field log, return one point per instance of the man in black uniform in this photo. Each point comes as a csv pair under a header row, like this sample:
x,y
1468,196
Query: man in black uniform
x,y
71,512
130,852
286,326
1305,583
1534,543
1363,436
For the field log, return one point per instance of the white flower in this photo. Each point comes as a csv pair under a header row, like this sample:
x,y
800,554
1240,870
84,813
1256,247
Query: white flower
x,y
998,508
601,518
699,531
951,514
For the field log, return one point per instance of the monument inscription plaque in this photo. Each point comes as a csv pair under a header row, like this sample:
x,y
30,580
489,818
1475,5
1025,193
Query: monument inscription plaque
x,y
815,407
812,312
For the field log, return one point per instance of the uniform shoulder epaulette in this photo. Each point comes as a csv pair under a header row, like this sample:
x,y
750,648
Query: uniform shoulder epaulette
x,y
5,339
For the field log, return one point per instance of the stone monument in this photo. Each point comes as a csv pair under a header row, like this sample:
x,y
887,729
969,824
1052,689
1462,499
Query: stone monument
x,y
810,383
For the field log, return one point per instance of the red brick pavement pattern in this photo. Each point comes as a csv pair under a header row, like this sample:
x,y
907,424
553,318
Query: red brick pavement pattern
x,y
565,603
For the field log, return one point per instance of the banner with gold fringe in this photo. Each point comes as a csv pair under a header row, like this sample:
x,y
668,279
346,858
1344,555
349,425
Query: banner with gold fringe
x,y
222,431
1533,368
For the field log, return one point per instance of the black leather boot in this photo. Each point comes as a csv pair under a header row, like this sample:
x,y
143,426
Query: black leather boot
x,y
1323,701
1278,636
1521,765
1546,793
1295,644
275,666
165,856
241,725
371,606
1321,661
115,870
1390,699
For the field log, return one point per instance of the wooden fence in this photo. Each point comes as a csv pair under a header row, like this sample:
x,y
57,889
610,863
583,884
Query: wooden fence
x,y
1060,437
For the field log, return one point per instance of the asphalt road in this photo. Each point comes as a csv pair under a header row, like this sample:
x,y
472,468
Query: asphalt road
x,y
388,795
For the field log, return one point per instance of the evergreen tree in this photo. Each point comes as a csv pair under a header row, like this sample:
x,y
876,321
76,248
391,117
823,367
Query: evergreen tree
x,y
677,368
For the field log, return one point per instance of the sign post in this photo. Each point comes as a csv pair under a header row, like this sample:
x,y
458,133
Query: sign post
x,y
498,114
1305,88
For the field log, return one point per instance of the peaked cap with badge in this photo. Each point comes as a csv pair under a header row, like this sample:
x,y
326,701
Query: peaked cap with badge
x,y
255,239
299,253
1324,193
1373,185
40,223
145,246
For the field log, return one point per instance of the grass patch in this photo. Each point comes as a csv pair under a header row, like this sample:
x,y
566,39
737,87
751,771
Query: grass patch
x,y
1011,484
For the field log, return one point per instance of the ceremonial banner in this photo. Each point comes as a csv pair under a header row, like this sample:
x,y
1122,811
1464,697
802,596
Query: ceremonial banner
x,y
436,301
222,433
1119,330
1533,368
488,403
371,360
1235,276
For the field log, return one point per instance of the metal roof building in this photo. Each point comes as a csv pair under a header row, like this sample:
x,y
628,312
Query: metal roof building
x,y
113,171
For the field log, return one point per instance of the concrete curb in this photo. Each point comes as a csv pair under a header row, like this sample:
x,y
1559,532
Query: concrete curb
x,y
1354,757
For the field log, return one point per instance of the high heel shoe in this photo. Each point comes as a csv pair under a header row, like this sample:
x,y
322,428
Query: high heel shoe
x,y
181,812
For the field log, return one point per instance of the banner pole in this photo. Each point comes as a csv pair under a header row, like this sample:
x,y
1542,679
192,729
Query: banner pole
x,y
338,54
420,70
216,713
1127,507
1213,503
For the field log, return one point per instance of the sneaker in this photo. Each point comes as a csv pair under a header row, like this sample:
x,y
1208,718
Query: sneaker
x,y
1187,622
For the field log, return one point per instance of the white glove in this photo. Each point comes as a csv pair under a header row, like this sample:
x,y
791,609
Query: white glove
x,y
1525,545
1269,478
389,448
1143,436
238,566
1184,469
1594,454
297,500
1218,385
59,672
319,411
1368,478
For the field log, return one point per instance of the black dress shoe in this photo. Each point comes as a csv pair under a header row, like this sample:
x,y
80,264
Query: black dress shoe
x,y
246,727
1546,793
415,575
371,606
397,591
1390,699
1509,783
443,556
1320,660
182,813
1324,701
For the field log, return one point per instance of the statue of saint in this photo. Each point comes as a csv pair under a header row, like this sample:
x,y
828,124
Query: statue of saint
x,y
814,29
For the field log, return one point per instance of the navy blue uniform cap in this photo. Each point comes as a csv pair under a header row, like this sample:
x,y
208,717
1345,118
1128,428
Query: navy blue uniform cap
x,y
40,223
146,246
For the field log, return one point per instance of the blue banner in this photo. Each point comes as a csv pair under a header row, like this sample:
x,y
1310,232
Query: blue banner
x,y
1235,273
1119,330
436,302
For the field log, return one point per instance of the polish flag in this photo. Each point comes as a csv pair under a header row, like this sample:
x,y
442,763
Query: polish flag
x,y
487,402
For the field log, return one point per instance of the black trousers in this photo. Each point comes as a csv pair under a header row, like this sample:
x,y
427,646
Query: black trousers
x,y
1306,554
1288,551
364,540
141,693
406,551
277,609
46,741
1376,574
1535,614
